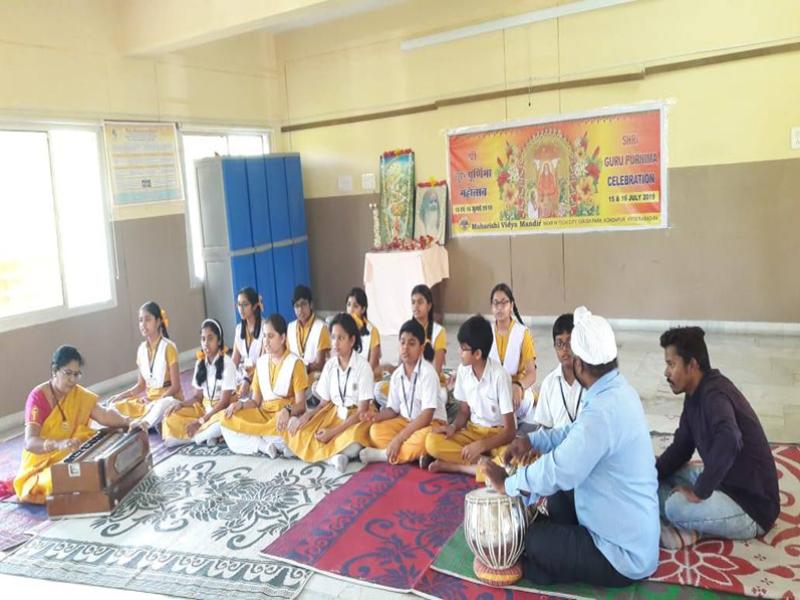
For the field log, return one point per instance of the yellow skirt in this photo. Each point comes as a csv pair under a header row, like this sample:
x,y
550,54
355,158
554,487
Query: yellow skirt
x,y
133,408
260,421
449,450
308,448
174,426
381,435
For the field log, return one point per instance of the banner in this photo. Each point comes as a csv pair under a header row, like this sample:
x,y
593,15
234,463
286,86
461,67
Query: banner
x,y
590,172
143,162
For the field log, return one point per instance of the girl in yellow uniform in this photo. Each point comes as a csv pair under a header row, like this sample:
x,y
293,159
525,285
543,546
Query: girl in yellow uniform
x,y
485,422
159,373
278,397
57,416
398,432
248,339
370,337
513,348
435,341
334,430
214,381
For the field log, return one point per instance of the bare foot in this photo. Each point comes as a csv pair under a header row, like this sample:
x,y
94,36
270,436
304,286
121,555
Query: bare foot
x,y
436,466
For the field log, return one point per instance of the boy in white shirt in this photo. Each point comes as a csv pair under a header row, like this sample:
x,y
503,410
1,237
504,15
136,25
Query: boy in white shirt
x,y
414,404
560,394
485,421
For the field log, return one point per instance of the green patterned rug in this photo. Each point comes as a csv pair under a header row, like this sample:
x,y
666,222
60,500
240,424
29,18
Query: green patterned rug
x,y
455,559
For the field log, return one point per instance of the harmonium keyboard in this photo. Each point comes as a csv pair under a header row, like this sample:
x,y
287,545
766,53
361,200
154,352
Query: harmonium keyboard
x,y
96,477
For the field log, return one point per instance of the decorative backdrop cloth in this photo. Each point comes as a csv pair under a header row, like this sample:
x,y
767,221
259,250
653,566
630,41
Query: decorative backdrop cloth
x,y
389,278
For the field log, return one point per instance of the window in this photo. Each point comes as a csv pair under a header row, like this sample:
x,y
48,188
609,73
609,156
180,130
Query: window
x,y
199,144
54,239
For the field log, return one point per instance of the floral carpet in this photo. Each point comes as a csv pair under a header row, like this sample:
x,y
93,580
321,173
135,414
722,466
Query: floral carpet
x,y
192,528
384,528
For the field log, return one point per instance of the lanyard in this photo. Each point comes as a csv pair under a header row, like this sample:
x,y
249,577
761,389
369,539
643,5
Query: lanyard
x,y
406,403
248,339
342,390
213,393
301,341
564,401
153,359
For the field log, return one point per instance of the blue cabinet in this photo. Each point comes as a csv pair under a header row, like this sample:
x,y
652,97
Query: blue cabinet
x,y
254,232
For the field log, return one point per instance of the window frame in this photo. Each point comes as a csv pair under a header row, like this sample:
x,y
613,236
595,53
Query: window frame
x,y
64,311
213,130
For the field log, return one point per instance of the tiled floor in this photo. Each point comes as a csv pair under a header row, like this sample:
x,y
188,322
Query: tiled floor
x,y
766,369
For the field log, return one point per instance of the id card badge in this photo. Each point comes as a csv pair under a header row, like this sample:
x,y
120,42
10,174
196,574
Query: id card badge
x,y
151,383
249,363
341,412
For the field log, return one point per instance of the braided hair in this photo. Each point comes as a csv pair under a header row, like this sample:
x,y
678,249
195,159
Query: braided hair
x,y
361,297
255,301
154,309
502,287
202,371
424,291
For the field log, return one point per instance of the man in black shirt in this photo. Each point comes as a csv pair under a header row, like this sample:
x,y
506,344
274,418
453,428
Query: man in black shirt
x,y
734,493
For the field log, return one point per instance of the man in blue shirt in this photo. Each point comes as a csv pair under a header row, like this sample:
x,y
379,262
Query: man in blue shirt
x,y
598,474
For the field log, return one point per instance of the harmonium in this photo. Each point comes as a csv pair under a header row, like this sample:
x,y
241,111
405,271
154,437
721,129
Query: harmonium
x,y
96,477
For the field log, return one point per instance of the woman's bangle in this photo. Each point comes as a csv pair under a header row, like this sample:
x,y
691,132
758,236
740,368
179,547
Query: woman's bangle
x,y
248,380
519,384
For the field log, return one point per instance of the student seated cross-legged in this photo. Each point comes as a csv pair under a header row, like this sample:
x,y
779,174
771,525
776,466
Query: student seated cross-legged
x,y
214,381
307,336
398,432
278,397
334,431
370,336
485,421
159,371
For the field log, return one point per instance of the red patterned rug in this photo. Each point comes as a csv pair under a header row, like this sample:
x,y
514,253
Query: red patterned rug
x,y
383,528
767,567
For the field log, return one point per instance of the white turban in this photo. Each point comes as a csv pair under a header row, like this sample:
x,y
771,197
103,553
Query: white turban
x,y
592,339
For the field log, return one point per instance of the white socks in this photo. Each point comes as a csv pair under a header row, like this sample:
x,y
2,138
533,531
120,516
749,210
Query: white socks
x,y
338,462
372,455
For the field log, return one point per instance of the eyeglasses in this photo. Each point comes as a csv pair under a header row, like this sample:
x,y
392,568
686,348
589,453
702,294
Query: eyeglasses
x,y
68,373
465,349
561,345
499,303
243,304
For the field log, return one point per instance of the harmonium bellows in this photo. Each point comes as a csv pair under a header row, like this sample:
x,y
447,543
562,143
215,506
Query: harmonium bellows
x,y
99,474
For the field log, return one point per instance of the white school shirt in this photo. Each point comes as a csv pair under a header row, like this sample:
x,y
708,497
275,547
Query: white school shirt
x,y
212,388
249,356
409,397
554,410
346,387
154,372
488,398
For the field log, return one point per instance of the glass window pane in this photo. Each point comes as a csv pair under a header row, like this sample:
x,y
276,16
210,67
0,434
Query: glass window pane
x,y
245,145
196,147
82,224
30,274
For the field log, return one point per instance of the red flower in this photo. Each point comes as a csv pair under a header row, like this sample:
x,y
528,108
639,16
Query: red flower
x,y
593,170
502,178
710,564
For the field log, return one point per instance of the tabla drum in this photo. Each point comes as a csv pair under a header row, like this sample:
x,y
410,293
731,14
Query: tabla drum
x,y
494,527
